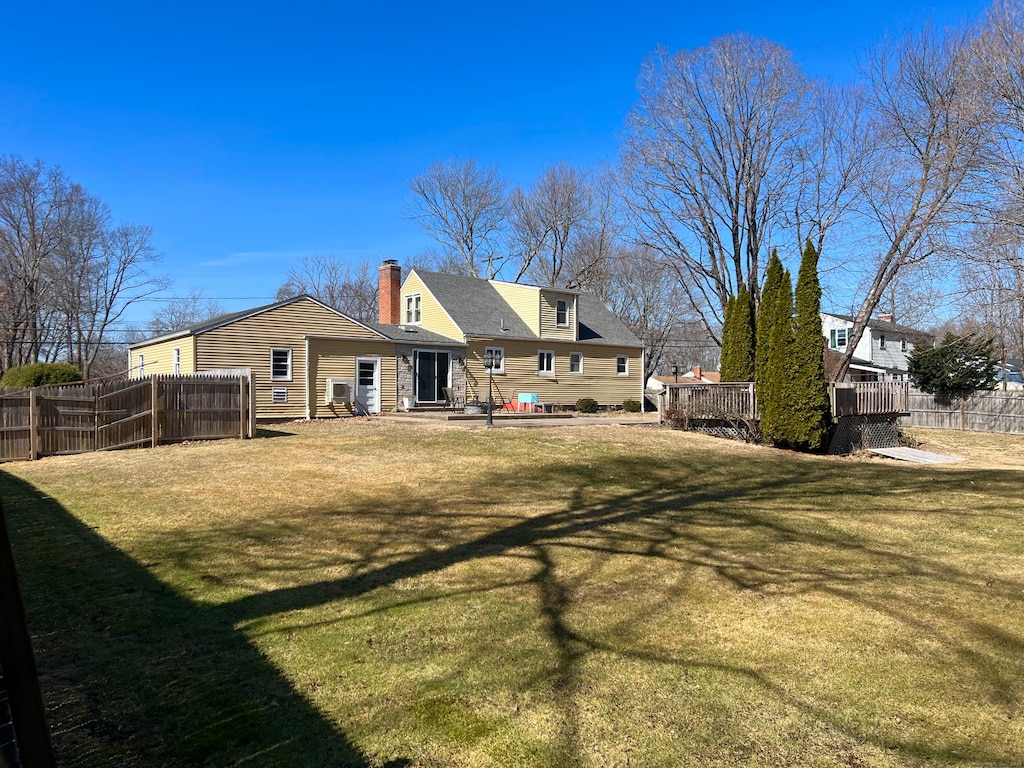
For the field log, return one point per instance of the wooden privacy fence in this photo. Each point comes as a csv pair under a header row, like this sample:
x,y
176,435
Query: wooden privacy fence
x,y
122,413
998,411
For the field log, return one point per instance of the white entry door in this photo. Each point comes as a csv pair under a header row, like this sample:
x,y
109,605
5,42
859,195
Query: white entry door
x,y
367,385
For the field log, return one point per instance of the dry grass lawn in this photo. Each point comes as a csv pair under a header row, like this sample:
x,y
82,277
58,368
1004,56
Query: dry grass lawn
x,y
374,594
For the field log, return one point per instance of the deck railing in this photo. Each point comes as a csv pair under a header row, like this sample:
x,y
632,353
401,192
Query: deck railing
x,y
739,400
868,398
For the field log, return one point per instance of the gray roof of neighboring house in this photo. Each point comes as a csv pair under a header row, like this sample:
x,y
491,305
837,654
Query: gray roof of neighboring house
x,y
479,310
886,326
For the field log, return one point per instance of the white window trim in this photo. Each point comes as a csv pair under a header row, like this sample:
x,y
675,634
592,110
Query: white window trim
x,y
278,395
412,309
142,364
580,371
501,352
176,357
287,350
625,372
540,371
566,303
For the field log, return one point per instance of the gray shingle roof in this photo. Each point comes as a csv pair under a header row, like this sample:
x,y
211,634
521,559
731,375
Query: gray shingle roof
x,y
475,306
411,334
479,310
886,326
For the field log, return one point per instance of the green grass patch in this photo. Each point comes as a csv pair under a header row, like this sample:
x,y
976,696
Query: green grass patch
x,y
369,594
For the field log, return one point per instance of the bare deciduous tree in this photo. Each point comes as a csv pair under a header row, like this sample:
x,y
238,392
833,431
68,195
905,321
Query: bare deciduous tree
x,y
710,158
68,274
645,294
184,311
929,134
462,206
545,220
334,282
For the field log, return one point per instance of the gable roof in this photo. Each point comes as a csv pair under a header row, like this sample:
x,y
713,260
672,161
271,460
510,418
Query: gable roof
x,y
886,326
477,308
231,317
475,305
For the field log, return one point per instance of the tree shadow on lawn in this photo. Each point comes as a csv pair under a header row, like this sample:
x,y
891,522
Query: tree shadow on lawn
x,y
734,525
136,675
207,691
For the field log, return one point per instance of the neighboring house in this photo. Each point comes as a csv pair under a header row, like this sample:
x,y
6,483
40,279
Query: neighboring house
x,y
435,329
884,349
694,376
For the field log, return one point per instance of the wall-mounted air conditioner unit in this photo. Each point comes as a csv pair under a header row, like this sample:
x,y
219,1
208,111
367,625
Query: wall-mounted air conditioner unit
x,y
340,390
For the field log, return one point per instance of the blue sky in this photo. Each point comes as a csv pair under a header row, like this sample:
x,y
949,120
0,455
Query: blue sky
x,y
249,134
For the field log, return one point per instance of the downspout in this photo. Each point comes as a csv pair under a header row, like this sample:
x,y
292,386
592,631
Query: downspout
x,y
643,382
308,368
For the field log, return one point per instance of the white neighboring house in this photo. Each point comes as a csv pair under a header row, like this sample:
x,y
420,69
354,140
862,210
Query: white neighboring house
x,y
693,376
883,352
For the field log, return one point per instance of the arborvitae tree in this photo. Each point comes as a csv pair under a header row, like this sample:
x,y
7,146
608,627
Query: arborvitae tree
x,y
774,404
957,368
808,392
738,339
765,319
726,366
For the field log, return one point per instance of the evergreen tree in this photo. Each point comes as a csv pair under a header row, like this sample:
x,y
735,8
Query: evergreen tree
x,y
738,338
765,319
809,410
957,368
774,403
727,366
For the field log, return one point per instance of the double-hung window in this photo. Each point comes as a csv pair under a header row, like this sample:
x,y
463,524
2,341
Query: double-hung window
x,y
881,342
562,313
280,364
545,363
497,358
142,365
414,309
575,362
622,365
176,357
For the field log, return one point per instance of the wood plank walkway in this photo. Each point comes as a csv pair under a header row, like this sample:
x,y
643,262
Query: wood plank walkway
x,y
915,455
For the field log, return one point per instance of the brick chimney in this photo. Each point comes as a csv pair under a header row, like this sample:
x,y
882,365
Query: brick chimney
x,y
697,372
389,290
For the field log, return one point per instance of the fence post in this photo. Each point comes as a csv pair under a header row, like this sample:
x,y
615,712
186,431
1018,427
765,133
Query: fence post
x,y
243,398
154,412
33,426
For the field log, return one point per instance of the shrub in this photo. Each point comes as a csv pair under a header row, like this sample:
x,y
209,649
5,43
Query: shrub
x,y
38,374
586,405
631,406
